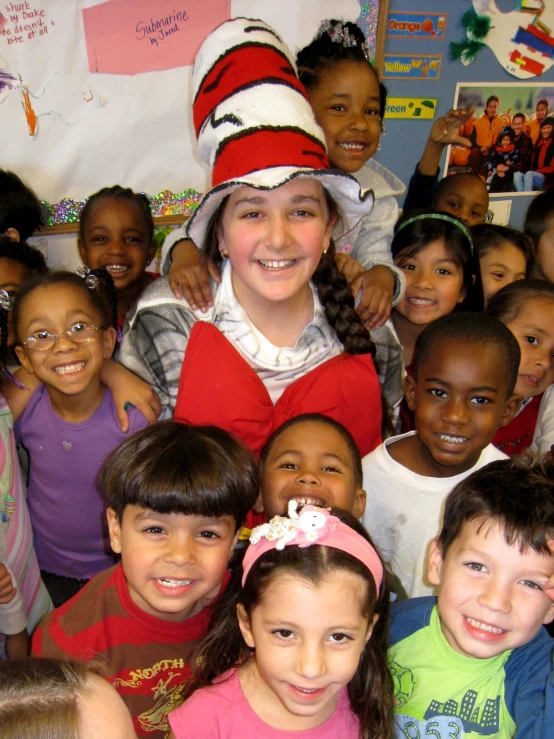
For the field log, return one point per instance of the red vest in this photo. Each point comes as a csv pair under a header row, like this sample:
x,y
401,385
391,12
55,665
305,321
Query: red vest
x,y
518,434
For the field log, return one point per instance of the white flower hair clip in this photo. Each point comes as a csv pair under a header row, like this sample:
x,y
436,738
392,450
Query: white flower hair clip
x,y
302,529
339,34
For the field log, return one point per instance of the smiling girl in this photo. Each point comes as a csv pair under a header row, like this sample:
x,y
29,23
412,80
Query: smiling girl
x,y
69,425
297,643
282,337
527,309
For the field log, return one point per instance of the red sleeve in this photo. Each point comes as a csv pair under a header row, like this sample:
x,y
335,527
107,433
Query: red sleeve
x,y
45,643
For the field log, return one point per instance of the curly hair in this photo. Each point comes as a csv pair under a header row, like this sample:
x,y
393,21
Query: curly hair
x,y
119,193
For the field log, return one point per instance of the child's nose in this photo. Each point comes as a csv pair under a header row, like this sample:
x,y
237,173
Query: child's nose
x,y
455,411
424,279
277,235
358,121
496,596
307,477
179,552
311,661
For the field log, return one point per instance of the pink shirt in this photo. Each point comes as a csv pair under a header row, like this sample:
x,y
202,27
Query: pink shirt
x,y
223,711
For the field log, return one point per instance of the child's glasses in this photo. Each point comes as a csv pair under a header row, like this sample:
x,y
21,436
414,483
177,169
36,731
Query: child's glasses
x,y
79,333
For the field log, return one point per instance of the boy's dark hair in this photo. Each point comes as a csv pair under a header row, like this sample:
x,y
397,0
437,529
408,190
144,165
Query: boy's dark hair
x,y
175,468
28,256
490,235
538,216
19,206
97,299
322,54
470,328
370,690
119,193
447,183
517,494
518,115
423,230
319,418
507,303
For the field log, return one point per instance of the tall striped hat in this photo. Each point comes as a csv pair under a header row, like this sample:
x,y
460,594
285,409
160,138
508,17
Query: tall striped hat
x,y
254,123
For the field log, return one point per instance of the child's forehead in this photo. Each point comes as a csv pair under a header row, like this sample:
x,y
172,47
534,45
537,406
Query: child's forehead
x,y
310,436
456,361
133,513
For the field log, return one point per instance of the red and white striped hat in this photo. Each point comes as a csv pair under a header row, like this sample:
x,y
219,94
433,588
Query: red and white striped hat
x,y
254,123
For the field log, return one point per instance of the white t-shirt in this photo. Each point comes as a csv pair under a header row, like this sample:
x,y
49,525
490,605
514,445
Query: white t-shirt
x,y
404,511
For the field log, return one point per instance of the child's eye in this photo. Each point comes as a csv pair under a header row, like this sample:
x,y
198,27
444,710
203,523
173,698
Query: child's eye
x,y
409,267
532,340
331,469
302,213
443,271
338,107
476,566
134,239
251,215
285,634
479,400
41,335
372,112
498,275
98,239
340,638
78,327
208,535
153,530
452,204
288,466
475,214
438,393
531,584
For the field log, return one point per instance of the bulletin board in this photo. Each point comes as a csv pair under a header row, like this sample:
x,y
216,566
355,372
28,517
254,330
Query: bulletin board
x,y
439,83
97,92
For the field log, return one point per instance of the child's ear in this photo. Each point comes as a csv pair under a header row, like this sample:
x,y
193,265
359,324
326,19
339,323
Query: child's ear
x,y
434,563
108,342
12,233
258,506
20,353
463,293
114,529
370,627
244,626
409,392
510,410
82,251
152,251
360,499
550,615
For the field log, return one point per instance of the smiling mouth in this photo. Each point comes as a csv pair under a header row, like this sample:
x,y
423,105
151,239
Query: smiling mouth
x,y
423,302
532,379
308,500
453,439
275,264
166,582
489,628
353,146
67,369
117,269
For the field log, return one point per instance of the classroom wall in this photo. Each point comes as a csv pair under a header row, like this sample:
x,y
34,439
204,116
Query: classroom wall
x,y
404,140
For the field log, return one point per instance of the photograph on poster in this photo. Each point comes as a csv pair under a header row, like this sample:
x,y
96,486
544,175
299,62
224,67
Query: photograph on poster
x,y
510,136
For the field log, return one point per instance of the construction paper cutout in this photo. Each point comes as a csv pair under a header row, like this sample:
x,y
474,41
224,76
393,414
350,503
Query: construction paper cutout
x,y
136,36
422,109
407,24
411,66
522,40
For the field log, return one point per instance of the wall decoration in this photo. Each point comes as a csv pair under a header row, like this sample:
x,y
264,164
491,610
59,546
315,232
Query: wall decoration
x,y
418,108
405,24
411,66
511,135
499,212
522,40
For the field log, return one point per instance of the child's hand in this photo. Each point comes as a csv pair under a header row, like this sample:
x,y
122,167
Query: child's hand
x,y
377,286
445,129
18,646
348,266
188,277
128,389
7,590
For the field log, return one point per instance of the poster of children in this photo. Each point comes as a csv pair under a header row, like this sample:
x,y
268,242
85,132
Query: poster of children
x,y
510,141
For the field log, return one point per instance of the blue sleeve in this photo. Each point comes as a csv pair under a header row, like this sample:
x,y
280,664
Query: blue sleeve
x,y
409,616
421,191
529,689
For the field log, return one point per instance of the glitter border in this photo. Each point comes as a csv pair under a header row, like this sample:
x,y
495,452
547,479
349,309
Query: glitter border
x,y
165,203
368,20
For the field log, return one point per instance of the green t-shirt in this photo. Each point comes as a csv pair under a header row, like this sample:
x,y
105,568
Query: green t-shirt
x,y
442,694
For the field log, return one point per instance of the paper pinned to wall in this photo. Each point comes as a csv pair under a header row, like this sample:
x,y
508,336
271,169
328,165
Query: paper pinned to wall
x,y
136,36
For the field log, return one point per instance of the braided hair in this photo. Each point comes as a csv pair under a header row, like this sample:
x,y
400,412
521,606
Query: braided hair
x,y
323,53
119,193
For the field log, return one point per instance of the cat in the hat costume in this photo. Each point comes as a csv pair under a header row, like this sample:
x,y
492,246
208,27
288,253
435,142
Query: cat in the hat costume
x,y
282,337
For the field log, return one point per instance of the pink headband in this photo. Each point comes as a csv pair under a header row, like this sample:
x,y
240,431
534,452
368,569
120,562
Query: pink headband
x,y
312,526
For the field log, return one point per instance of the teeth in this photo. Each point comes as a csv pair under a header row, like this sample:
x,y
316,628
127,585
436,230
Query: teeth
x,y
301,500
310,690
276,264
117,268
353,146
173,583
453,439
66,369
421,301
484,627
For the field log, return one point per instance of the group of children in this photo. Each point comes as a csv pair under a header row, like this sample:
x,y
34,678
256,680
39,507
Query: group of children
x,y
389,588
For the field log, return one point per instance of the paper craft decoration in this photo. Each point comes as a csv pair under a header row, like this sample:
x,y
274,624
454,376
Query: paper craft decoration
x,y
135,36
522,40
411,66
422,109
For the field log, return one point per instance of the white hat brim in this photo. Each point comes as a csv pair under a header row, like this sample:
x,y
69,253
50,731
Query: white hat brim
x,y
354,202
